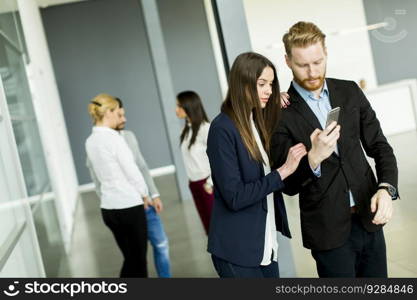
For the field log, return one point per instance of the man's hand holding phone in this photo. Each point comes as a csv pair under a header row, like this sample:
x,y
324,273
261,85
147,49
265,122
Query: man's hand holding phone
x,y
323,144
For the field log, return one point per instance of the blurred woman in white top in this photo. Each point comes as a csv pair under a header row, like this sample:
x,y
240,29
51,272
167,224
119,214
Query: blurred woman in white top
x,y
123,188
193,147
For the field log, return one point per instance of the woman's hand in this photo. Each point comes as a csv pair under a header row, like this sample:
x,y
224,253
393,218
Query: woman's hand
x,y
295,154
285,99
146,202
208,188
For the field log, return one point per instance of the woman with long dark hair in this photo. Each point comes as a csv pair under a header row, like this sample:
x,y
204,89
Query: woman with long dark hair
x,y
249,208
193,147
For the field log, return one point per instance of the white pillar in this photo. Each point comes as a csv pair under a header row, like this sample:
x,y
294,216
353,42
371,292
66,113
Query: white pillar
x,y
166,90
48,110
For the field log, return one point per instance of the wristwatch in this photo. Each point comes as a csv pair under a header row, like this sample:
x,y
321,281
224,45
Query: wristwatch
x,y
392,191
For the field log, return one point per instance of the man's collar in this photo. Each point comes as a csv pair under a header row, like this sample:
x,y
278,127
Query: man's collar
x,y
305,94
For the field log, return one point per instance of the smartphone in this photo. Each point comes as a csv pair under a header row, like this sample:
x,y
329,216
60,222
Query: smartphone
x,y
332,116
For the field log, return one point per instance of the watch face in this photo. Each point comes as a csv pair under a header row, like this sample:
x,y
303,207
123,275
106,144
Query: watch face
x,y
392,191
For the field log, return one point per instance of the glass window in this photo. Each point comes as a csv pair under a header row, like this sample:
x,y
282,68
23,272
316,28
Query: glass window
x,y
18,96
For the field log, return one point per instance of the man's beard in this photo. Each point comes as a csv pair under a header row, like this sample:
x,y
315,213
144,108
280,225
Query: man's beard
x,y
306,85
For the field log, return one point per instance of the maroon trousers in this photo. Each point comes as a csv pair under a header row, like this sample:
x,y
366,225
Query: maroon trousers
x,y
203,201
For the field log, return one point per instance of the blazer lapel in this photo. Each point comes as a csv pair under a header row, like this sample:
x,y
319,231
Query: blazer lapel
x,y
298,103
264,202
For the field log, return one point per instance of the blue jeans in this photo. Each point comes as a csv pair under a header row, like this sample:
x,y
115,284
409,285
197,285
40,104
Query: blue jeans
x,y
159,242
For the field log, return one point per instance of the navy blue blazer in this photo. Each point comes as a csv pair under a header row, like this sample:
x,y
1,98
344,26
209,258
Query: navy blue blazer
x,y
237,228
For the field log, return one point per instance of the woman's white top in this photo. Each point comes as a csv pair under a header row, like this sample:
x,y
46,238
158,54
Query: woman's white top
x,y
122,184
196,162
271,243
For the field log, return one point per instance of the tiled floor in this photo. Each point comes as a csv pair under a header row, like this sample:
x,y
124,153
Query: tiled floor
x,y
94,252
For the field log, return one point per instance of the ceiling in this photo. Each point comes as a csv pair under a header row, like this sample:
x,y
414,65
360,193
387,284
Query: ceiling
x,y
45,3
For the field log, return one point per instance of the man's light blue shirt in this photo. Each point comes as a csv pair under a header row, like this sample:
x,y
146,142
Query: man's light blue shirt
x,y
320,108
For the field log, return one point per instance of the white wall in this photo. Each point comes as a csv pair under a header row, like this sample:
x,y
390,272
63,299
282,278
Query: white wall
x,y
350,55
395,105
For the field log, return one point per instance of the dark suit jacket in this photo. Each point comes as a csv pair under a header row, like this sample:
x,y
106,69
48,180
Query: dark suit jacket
x,y
237,228
324,201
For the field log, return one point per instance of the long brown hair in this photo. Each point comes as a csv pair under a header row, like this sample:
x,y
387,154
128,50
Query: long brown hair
x,y
242,99
191,103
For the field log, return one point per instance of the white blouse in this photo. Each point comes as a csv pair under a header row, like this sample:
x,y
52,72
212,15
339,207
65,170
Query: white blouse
x,y
122,183
196,162
271,243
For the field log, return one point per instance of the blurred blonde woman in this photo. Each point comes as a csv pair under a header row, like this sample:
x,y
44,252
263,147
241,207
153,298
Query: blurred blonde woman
x,y
123,189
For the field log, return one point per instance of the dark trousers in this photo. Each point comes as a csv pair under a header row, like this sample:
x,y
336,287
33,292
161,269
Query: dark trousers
x,y
362,255
129,229
226,269
203,201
